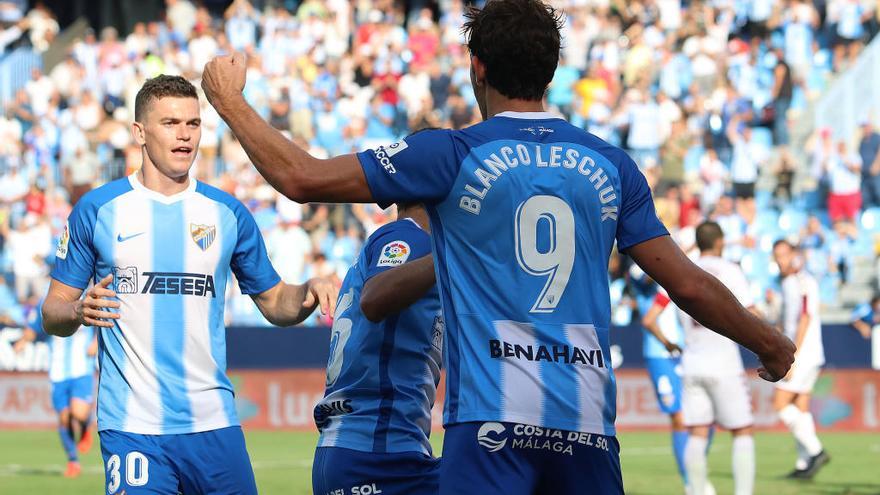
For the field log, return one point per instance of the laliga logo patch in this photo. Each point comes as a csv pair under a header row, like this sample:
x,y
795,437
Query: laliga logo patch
x,y
63,241
396,148
203,235
394,254
491,444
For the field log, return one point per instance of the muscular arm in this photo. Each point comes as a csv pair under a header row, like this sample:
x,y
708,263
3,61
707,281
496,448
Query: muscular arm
x,y
288,168
285,305
710,303
394,290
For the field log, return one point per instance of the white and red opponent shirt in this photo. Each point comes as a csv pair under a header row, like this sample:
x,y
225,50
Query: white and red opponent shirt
x,y
800,296
707,353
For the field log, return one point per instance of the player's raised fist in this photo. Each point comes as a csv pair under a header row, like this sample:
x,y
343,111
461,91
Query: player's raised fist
x,y
778,359
223,79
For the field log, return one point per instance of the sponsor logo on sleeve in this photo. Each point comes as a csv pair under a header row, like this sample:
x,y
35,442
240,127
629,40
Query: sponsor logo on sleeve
x,y
63,242
394,254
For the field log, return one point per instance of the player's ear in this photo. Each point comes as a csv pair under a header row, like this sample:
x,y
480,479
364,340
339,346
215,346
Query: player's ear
x,y
137,132
478,71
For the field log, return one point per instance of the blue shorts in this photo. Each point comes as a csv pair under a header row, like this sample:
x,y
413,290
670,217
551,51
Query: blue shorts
x,y
208,462
666,378
514,459
339,471
64,391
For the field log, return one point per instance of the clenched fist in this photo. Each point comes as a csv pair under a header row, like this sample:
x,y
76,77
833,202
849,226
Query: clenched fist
x,y
223,79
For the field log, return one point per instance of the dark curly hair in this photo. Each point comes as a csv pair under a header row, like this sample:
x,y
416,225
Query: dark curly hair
x,y
160,87
518,41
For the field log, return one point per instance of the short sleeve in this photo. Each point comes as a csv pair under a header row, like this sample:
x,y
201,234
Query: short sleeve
x,y
394,247
75,254
638,220
864,313
250,262
420,168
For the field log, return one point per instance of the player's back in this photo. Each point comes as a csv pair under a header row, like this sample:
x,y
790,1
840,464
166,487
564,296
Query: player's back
x,y
800,295
525,211
707,353
163,364
382,377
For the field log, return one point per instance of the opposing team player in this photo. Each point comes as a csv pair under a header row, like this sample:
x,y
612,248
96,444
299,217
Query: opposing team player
x,y
384,368
715,384
661,347
525,209
72,375
801,324
160,246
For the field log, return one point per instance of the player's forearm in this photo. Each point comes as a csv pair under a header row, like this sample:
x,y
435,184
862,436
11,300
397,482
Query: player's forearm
x,y
655,331
281,162
60,317
862,327
803,326
394,290
288,307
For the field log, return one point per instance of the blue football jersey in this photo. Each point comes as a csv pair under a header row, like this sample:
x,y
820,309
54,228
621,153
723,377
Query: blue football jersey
x,y
163,364
525,209
68,356
382,377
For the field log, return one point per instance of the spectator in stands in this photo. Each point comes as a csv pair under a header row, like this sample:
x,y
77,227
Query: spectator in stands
x,y
866,316
869,152
844,171
29,245
840,245
181,17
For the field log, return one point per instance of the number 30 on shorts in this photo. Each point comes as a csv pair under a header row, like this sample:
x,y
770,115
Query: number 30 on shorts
x,y
137,471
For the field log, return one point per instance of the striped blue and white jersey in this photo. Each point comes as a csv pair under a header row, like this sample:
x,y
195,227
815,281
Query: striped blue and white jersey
x,y
68,356
163,364
382,377
525,209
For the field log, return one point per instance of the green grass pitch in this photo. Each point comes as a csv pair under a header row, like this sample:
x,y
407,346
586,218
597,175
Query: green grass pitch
x,y
32,462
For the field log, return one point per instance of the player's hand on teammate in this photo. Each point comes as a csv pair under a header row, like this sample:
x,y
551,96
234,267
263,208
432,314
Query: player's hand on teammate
x,y
95,309
224,78
324,292
777,361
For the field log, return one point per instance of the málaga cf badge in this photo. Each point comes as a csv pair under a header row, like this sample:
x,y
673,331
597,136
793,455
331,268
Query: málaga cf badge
x,y
203,235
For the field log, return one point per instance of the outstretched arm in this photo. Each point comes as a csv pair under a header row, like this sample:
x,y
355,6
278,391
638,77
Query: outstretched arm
x,y
285,304
288,168
709,302
394,290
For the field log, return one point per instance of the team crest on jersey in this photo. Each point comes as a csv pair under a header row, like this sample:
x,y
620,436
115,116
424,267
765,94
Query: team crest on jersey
x,y
125,279
63,241
394,254
203,235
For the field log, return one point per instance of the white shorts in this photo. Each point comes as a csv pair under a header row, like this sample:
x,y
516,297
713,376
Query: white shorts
x,y
721,400
802,379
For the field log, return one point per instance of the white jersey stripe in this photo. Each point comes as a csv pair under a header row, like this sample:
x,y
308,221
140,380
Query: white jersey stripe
x,y
523,389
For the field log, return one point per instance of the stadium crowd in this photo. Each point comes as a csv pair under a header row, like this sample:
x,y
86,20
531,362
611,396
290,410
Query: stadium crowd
x,y
702,94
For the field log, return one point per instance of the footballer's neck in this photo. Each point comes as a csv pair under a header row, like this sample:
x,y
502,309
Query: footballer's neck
x,y
497,103
418,215
153,179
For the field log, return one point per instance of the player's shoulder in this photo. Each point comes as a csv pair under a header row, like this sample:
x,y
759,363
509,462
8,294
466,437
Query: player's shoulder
x,y
220,196
400,227
93,200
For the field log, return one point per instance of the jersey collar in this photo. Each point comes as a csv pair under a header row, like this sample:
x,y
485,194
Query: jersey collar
x,y
137,186
527,115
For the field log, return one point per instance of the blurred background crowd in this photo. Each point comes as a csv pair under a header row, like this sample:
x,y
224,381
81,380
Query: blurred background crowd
x,y
707,96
